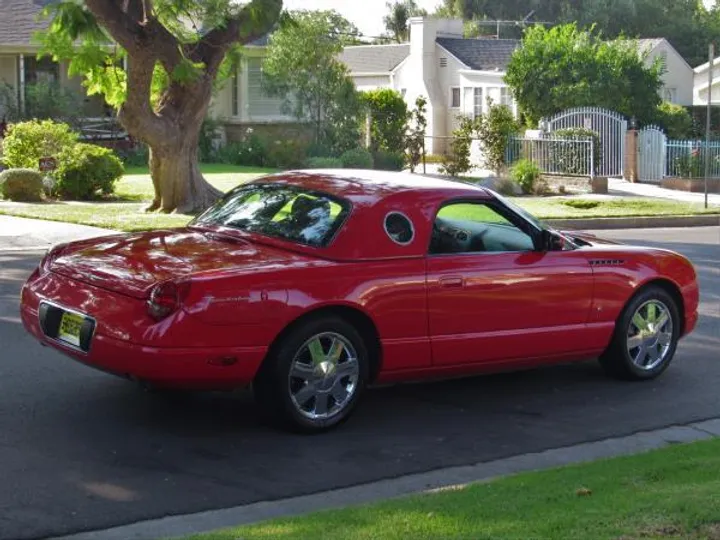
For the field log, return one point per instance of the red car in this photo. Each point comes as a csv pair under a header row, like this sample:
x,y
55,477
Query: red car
x,y
311,285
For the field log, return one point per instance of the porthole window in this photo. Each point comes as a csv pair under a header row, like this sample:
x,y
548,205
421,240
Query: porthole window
x,y
399,228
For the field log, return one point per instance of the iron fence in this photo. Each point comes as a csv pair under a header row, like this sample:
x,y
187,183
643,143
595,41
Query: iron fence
x,y
553,155
686,159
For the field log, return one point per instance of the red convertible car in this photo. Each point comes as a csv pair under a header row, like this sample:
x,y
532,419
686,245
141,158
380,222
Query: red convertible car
x,y
310,285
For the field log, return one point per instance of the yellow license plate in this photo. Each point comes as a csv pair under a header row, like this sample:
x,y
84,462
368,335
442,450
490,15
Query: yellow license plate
x,y
70,326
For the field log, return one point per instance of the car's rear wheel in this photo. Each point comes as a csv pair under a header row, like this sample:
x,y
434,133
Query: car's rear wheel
x,y
645,338
314,377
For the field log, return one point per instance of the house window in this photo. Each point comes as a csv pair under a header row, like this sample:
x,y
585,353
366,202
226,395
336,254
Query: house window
x,y
455,98
41,71
443,62
506,97
259,103
477,102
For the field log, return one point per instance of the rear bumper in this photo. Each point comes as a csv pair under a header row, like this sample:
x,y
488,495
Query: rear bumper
x,y
207,368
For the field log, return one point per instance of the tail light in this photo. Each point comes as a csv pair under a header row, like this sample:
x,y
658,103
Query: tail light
x,y
166,298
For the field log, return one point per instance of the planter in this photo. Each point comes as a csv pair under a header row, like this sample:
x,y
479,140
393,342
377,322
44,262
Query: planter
x,y
693,185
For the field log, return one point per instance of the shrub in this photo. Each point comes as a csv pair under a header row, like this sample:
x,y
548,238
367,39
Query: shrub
x,y
675,120
251,152
494,132
571,158
25,185
457,160
286,153
526,174
416,138
207,141
389,161
506,186
27,142
388,119
324,163
582,204
357,158
136,157
85,170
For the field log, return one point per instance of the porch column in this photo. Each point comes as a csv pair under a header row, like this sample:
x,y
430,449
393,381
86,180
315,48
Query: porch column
x,y
21,85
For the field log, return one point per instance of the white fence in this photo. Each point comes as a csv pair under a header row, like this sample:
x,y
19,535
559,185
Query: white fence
x,y
686,159
554,155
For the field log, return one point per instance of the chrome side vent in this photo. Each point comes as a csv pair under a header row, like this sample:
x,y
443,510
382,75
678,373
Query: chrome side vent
x,y
606,262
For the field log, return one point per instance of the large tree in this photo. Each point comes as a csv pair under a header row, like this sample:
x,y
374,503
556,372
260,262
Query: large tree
x,y
396,21
175,51
565,67
302,65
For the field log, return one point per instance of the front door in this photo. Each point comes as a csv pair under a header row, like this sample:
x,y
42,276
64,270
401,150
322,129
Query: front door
x,y
492,297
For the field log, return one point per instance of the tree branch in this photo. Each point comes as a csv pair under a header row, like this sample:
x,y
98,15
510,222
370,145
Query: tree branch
x,y
123,28
254,20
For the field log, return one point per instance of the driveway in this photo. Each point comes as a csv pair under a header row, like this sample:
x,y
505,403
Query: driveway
x,y
80,450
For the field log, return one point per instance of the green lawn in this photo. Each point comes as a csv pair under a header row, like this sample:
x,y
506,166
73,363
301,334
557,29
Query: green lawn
x,y
672,493
124,211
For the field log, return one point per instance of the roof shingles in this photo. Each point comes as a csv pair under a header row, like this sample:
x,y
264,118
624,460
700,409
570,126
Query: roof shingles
x,y
19,21
481,54
374,58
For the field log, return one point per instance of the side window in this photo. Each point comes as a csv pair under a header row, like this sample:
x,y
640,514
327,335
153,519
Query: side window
x,y
469,227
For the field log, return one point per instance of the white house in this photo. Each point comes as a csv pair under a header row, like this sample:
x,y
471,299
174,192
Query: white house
x,y
701,83
457,75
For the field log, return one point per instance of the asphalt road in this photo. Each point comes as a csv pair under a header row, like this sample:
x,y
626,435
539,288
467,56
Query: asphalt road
x,y
80,450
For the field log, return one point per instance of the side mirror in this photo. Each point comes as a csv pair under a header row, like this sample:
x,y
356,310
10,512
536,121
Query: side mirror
x,y
549,241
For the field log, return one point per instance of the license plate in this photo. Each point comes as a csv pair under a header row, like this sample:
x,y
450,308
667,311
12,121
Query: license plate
x,y
70,325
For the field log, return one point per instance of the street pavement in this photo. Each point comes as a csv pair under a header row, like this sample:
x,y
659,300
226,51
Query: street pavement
x,y
81,450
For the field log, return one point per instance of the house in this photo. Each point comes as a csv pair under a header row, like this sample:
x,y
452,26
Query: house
x,y
457,75
701,83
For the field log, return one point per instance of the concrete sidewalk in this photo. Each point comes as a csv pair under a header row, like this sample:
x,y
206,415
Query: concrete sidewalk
x,y
617,186
20,234
178,526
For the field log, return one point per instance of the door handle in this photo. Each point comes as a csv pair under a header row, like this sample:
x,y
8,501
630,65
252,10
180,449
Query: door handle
x,y
451,281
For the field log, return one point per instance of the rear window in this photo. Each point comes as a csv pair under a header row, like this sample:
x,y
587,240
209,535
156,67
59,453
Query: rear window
x,y
288,212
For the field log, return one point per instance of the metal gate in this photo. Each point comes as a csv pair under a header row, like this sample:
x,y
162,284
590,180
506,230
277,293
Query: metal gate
x,y
651,154
609,125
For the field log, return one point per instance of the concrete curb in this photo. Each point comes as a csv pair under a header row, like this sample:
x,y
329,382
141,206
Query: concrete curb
x,y
405,485
646,222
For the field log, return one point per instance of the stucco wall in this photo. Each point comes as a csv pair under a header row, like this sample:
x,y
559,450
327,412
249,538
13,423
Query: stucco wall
x,y
371,82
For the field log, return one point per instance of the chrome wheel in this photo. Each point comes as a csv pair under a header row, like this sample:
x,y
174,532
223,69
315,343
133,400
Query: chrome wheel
x,y
323,376
650,335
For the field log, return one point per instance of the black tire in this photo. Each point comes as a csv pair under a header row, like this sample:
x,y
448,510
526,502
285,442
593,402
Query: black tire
x,y
617,360
272,385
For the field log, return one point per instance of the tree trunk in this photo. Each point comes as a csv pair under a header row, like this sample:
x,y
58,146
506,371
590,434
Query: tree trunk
x,y
179,185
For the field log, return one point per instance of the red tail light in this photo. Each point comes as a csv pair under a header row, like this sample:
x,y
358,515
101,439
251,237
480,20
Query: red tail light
x,y
166,298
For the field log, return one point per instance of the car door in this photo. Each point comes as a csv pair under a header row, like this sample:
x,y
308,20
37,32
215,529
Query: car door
x,y
492,297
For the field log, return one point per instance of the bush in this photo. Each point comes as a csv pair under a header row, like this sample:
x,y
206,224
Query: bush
x,y
572,159
357,158
415,140
388,119
85,170
24,185
389,161
526,174
136,157
675,120
457,160
206,142
494,131
324,163
27,142
252,152
286,153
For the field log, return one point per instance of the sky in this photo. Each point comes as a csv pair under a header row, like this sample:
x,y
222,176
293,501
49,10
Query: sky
x,y
367,15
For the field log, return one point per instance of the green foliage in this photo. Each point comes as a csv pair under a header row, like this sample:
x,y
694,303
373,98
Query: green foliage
x,y
389,118
302,67
357,158
250,152
526,174
691,165
389,161
396,21
285,153
494,131
208,136
457,160
323,163
562,67
581,204
23,185
675,120
572,159
9,103
48,100
135,157
416,137
85,171
27,142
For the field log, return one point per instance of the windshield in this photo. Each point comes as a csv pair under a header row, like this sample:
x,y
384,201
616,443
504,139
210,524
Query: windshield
x,y
286,212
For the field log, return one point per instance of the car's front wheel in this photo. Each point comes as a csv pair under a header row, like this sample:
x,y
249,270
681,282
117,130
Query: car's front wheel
x,y
313,379
645,338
